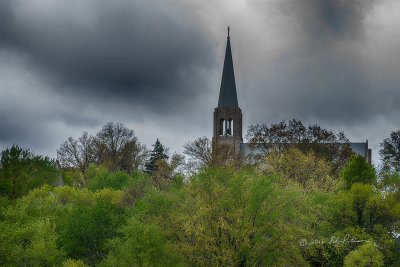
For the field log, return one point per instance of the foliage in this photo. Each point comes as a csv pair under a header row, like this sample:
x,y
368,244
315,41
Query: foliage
x,y
84,230
141,182
33,244
74,263
200,151
106,179
77,153
140,245
28,231
206,153
357,170
118,148
334,147
115,146
159,153
21,170
390,152
237,218
366,255
331,250
167,172
292,165
363,206
390,182
285,211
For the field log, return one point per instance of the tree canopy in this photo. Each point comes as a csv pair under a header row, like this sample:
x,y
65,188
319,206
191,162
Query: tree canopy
x,y
334,147
287,209
22,170
159,153
358,170
390,152
114,146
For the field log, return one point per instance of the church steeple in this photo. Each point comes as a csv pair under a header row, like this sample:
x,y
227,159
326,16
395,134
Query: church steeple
x,y
228,115
227,93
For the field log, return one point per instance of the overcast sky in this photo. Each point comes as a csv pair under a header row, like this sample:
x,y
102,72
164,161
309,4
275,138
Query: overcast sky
x,y
155,65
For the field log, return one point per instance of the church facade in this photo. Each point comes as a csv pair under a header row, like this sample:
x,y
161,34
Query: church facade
x,y
228,126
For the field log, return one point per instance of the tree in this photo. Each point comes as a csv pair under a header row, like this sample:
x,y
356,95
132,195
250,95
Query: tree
x,y
21,170
389,181
114,146
117,147
229,217
158,153
292,165
85,229
334,147
106,179
77,153
357,170
365,255
200,150
204,153
140,245
390,152
363,206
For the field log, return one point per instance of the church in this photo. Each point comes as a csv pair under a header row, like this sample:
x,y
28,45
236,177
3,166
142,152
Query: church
x,y
228,116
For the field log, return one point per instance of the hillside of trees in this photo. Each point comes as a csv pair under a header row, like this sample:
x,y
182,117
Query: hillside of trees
x,y
108,200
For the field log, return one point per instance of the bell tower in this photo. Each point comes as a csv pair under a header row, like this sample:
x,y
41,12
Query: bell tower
x,y
228,115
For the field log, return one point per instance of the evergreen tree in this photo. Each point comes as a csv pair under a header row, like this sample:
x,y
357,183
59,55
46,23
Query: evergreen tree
x,y
158,153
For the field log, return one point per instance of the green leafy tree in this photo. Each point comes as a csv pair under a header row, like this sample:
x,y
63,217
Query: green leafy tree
x,y
292,165
84,230
390,152
140,245
106,179
390,182
365,255
357,170
234,218
362,205
21,170
28,230
334,147
331,249
159,153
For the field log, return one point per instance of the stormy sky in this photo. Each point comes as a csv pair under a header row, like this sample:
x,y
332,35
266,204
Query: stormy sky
x,y
155,65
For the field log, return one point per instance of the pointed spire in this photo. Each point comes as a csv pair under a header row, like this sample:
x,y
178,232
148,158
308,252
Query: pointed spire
x,y
227,93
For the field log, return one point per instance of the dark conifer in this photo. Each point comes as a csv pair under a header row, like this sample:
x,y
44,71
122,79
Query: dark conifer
x,y
158,153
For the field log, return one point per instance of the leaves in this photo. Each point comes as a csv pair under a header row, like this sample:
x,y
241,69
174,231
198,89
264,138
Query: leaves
x,y
21,170
334,147
390,152
357,170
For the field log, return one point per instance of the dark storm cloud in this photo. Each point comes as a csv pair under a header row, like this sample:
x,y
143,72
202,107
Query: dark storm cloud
x,y
74,65
130,50
321,73
332,20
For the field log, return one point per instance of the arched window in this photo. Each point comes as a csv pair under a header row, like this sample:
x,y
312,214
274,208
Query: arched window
x,y
221,127
230,127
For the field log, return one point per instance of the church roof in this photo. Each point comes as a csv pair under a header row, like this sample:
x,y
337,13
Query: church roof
x,y
227,93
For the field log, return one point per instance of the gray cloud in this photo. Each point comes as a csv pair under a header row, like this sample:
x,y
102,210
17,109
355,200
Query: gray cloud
x,y
320,72
132,50
69,66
